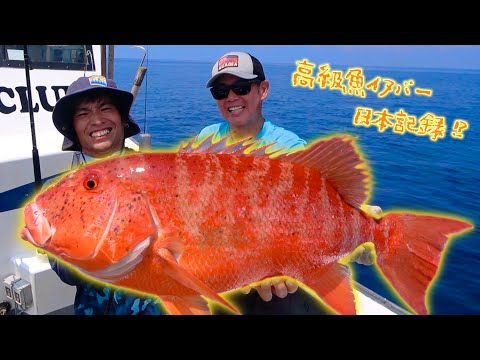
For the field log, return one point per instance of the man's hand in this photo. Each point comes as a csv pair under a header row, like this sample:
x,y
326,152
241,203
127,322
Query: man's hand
x,y
373,210
280,286
364,255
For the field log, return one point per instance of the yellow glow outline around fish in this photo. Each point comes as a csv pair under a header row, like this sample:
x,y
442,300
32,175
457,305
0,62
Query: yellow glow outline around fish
x,y
369,186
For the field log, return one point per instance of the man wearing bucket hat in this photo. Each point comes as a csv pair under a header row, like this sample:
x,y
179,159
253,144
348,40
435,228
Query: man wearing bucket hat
x,y
239,86
77,117
94,118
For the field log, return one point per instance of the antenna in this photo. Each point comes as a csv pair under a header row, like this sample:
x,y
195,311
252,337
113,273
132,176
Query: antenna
x,y
35,157
137,82
145,142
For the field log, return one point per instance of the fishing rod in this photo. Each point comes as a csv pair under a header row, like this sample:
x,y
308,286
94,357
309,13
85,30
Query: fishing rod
x,y
35,157
145,138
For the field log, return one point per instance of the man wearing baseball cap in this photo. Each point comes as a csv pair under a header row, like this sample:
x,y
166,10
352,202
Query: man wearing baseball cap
x,y
239,86
94,118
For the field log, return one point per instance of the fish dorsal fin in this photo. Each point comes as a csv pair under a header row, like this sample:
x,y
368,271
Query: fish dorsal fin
x,y
336,157
225,146
339,161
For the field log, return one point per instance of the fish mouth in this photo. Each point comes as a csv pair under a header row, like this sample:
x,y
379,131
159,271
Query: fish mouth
x,y
37,229
39,232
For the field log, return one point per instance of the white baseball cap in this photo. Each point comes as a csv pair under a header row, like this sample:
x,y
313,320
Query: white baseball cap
x,y
237,63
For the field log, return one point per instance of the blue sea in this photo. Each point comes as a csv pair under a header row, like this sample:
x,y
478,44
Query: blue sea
x,y
409,171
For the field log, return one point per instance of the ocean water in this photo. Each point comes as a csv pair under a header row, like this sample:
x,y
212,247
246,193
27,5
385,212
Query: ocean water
x,y
409,171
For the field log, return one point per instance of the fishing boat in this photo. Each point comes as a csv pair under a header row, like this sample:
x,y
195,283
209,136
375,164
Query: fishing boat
x,y
34,77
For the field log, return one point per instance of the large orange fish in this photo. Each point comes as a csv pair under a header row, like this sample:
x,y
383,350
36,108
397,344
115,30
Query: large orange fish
x,y
192,225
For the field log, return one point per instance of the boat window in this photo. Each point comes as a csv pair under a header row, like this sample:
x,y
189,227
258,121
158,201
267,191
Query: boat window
x,y
61,57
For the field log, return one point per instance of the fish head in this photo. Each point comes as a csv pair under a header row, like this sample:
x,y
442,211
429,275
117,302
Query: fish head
x,y
92,218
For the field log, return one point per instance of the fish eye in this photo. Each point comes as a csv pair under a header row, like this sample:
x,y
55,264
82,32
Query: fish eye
x,y
90,182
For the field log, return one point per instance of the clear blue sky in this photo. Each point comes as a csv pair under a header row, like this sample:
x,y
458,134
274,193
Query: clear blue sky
x,y
423,56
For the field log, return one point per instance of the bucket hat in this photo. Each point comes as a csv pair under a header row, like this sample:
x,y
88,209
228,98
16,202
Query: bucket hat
x,y
64,108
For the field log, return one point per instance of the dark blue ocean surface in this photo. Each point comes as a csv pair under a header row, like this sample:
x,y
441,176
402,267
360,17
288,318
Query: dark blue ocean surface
x,y
409,171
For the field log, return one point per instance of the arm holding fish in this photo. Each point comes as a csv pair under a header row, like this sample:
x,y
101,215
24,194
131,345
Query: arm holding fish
x,y
65,274
281,287
365,253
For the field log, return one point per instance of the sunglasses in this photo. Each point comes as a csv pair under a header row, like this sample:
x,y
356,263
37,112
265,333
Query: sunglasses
x,y
242,87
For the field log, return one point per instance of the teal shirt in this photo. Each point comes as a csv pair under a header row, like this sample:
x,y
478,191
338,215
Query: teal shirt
x,y
269,133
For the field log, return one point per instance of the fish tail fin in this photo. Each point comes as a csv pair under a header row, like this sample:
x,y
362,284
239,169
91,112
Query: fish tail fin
x,y
409,249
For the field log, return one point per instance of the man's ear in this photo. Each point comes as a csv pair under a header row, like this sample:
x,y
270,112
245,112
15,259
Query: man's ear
x,y
264,88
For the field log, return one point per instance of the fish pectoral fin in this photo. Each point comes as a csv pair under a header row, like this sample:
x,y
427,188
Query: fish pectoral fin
x,y
187,305
184,277
171,241
332,284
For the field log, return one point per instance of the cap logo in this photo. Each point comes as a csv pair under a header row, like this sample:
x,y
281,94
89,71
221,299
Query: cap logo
x,y
227,61
98,80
